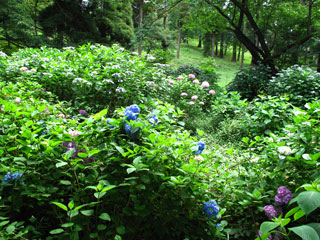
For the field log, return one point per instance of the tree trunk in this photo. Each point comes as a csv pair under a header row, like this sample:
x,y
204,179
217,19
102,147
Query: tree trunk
x,y
200,42
216,49
226,49
35,17
318,67
213,43
239,52
165,16
140,25
221,46
234,52
242,54
179,42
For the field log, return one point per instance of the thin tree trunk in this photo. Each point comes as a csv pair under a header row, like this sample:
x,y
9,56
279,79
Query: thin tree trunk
x,y
35,17
165,16
239,52
234,52
179,42
221,46
200,42
226,50
216,49
318,67
242,53
213,42
140,25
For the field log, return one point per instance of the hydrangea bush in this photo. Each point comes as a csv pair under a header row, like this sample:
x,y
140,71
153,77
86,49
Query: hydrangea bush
x,y
92,179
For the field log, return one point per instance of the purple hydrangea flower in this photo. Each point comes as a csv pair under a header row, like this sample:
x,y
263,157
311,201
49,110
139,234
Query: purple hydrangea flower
x,y
211,208
82,112
283,197
201,147
271,211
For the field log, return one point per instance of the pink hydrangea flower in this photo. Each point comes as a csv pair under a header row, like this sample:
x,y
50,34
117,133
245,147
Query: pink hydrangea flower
x,y
46,110
184,94
205,84
191,76
18,100
212,92
170,81
191,103
23,69
179,78
195,97
74,133
198,158
196,81
201,103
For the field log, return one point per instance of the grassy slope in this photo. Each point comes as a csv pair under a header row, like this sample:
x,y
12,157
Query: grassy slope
x,y
192,55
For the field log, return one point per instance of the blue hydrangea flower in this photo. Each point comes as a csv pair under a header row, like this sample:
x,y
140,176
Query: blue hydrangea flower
x,y
132,131
219,225
134,108
153,120
201,147
211,208
43,133
110,126
130,115
11,177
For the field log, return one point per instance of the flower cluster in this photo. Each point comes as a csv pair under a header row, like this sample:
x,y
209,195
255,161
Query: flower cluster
x,y
210,208
9,177
201,147
153,120
131,113
271,211
83,112
283,197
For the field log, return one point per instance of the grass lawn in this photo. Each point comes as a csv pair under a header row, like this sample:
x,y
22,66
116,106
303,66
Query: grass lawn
x,y
190,54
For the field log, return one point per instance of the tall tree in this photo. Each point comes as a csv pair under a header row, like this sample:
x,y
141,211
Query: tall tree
x,y
264,52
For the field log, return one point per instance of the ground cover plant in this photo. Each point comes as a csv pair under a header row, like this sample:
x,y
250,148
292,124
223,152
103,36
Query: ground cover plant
x,y
174,159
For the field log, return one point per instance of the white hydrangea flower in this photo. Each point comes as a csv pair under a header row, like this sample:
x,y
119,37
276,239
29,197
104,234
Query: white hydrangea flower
x,y
284,150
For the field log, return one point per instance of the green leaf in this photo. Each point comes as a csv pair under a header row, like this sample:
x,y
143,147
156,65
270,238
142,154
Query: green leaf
x,y
101,227
309,201
152,137
57,231
60,205
66,225
71,204
4,223
305,232
285,221
105,216
82,155
87,212
299,215
268,226
100,114
60,164
99,194
121,230
10,228
105,189
131,170
316,227
292,211
65,182
117,237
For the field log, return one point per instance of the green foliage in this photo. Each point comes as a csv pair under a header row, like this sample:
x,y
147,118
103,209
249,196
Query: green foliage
x,y
250,82
301,83
308,201
107,185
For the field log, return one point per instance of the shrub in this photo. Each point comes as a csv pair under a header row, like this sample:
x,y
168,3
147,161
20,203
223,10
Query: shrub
x,y
301,83
205,74
250,82
86,176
